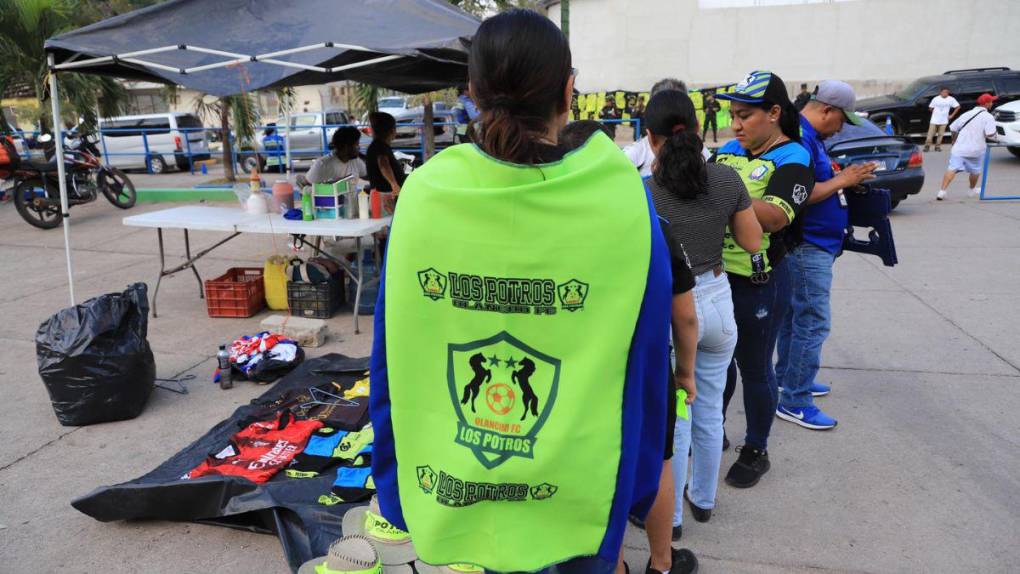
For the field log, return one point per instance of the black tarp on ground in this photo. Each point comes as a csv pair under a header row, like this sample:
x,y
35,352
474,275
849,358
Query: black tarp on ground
x,y
431,33
285,506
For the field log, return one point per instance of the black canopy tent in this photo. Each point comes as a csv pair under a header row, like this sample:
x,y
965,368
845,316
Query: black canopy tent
x,y
231,46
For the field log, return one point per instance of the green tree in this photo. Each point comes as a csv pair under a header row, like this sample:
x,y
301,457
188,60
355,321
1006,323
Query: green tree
x,y
366,96
241,110
24,27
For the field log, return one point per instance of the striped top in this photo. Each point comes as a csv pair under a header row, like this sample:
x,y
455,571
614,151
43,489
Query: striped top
x,y
700,224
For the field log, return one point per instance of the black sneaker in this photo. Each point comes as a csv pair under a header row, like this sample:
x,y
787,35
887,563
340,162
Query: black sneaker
x,y
678,532
684,562
699,514
749,468
637,522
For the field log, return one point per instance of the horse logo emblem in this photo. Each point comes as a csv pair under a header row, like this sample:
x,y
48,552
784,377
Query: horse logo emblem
x,y
502,391
573,294
433,283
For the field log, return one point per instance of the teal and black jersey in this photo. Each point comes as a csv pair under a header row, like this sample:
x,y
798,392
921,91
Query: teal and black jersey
x,y
781,176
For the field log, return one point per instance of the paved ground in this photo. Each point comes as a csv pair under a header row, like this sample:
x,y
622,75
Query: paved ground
x,y
922,475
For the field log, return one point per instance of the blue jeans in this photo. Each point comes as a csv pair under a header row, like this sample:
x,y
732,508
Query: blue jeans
x,y
703,432
753,308
585,565
806,326
783,278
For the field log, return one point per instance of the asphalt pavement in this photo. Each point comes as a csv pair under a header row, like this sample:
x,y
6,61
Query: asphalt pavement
x,y
921,475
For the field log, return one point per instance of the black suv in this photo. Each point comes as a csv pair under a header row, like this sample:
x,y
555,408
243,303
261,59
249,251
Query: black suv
x,y
908,107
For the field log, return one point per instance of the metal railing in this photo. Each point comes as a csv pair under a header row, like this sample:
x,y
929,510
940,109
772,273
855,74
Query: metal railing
x,y
187,150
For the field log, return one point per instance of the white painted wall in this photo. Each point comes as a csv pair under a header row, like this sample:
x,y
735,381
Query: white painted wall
x,y
874,44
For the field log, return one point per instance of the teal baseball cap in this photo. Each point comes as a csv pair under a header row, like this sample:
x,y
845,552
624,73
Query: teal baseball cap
x,y
757,87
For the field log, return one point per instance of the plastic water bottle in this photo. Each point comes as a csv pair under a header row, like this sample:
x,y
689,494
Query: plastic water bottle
x,y
223,361
363,205
307,204
888,125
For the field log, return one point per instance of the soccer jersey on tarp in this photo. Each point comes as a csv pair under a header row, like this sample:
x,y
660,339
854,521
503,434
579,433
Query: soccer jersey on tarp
x,y
259,450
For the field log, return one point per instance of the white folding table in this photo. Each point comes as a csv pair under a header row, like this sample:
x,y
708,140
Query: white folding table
x,y
235,221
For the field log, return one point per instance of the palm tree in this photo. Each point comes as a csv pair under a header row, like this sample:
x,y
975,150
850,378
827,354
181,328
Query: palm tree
x,y
241,110
24,27
367,97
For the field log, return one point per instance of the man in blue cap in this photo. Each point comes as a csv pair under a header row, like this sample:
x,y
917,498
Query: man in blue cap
x,y
806,325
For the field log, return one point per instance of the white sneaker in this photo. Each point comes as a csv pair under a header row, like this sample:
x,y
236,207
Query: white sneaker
x,y
974,193
941,195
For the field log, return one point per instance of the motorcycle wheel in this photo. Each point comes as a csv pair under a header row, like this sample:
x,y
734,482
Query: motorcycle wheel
x,y
117,187
38,210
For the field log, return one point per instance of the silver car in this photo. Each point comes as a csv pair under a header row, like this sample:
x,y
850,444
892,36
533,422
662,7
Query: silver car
x,y
310,133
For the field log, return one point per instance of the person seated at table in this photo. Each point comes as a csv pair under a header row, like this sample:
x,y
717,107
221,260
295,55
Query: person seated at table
x,y
384,171
343,161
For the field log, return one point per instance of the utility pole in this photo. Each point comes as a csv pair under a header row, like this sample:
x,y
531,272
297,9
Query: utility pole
x,y
565,17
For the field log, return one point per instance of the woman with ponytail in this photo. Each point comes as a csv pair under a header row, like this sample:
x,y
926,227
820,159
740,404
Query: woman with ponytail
x,y
777,172
520,359
700,200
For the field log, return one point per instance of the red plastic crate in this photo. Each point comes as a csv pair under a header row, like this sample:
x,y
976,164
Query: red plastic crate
x,y
241,292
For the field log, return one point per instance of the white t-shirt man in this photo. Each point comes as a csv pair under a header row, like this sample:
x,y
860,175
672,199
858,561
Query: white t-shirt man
x,y
641,155
330,168
940,108
970,138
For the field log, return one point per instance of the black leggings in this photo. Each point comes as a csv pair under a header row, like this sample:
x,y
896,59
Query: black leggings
x,y
753,308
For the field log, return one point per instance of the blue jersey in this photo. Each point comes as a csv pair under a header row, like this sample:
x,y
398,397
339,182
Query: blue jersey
x,y
780,176
824,222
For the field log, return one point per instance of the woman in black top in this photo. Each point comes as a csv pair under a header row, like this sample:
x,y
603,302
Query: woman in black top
x,y
384,171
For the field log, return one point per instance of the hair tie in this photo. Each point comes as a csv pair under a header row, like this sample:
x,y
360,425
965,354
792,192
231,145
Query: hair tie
x,y
679,128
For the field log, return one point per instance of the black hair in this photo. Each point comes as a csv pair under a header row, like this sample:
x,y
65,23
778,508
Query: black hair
x,y
575,134
789,117
344,143
519,67
679,166
946,88
383,124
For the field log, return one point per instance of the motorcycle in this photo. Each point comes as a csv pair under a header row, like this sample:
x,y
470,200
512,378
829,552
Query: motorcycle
x,y
36,187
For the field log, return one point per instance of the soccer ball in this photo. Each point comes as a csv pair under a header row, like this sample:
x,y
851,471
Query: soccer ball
x,y
500,398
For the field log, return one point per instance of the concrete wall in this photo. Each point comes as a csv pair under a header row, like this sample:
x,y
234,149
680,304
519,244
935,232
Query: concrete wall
x,y
877,45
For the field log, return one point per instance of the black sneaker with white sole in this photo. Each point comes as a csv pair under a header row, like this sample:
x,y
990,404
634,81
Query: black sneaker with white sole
x,y
751,465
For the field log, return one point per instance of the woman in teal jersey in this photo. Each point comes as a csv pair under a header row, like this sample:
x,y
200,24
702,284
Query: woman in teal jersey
x,y
777,172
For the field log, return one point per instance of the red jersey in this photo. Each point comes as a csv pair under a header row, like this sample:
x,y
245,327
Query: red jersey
x,y
260,449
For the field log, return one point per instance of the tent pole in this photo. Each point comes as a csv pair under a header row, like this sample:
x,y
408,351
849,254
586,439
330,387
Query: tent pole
x,y
58,137
286,145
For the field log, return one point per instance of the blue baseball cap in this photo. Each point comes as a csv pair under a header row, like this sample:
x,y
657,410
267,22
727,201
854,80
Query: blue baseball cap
x,y
757,87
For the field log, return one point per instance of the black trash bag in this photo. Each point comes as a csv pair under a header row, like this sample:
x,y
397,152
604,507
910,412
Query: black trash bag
x,y
95,360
